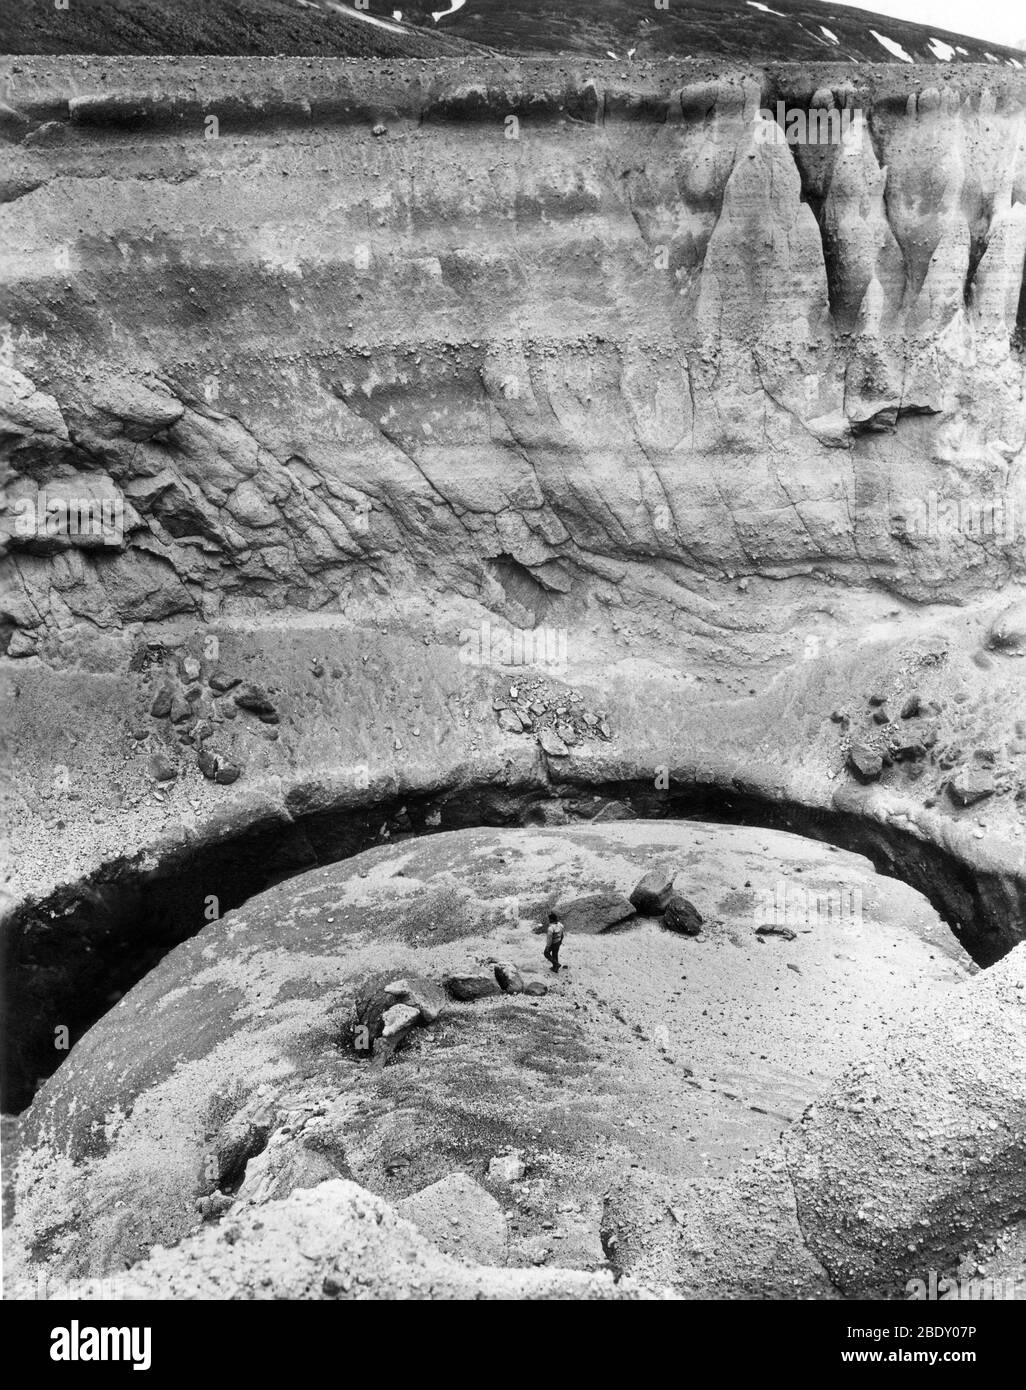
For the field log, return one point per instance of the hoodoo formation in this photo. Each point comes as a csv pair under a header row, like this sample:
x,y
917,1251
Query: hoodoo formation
x,y
478,468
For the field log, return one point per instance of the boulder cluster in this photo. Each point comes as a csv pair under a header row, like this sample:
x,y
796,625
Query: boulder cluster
x,y
654,896
196,699
926,739
557,718
389,1009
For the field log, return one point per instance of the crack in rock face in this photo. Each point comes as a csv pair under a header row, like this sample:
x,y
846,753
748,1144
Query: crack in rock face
x,y
511,630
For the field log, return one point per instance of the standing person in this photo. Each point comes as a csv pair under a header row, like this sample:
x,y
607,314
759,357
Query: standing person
x,y
553,941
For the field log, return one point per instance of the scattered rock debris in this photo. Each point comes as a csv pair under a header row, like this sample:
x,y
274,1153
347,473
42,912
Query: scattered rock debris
x,y
554,715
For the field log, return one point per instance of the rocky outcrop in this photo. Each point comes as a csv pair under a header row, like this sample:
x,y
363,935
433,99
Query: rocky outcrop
x,y
340,1242
907,1171
920,1146
287,1164
460,1217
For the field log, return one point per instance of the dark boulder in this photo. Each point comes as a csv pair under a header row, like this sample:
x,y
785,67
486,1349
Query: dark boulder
x,y
552,744
256,700
654,891
595,913
467,988
373,1002
216,767
181,710
162,702
682,916
913,742
162,768
865,761
1008,632
774,929
967,788
509,979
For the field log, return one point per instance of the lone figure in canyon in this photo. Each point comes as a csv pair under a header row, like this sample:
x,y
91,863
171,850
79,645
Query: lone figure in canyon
x,y
553,941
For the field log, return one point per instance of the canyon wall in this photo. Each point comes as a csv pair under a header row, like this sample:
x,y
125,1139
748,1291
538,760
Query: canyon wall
x,y
316,376
530,335
359,358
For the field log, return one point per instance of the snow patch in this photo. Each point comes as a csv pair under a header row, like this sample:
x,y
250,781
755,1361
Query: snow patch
x,y
369,18
455,5
814,37
765,8
943,51
891,47
830,35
